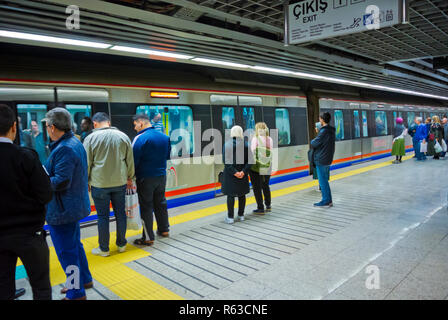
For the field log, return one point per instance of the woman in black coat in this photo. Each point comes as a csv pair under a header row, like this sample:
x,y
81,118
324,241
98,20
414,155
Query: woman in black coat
x,y
237,159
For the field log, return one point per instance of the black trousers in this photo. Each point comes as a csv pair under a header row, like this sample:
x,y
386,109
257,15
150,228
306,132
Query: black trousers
x,y
260,186
32,249
151,197
231,205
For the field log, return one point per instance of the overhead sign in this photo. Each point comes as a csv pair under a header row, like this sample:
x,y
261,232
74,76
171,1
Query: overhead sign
x,y
311,20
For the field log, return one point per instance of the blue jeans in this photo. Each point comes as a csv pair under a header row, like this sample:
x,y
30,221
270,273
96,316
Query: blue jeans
x,y
414,145
102,197
419,155
323,176
70,251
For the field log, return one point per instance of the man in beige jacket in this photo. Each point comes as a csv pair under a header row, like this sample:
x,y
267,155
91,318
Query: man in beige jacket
x,y
111,170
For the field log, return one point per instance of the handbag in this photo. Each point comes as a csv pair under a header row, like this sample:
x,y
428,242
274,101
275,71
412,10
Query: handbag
x,y
424,147
134,221
437,147
444,146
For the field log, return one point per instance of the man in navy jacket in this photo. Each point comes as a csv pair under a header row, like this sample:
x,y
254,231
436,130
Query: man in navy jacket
x,y
152,149
324,147
67,168
24,190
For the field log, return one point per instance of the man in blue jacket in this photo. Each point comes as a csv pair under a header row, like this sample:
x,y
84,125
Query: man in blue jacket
x,y
152,149
324,146
420,136
67,168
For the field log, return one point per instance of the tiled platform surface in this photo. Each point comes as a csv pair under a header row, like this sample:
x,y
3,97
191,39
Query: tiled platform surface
x,y
394,217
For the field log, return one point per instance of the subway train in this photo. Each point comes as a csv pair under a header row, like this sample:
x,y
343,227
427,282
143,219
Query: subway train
x,y
363,128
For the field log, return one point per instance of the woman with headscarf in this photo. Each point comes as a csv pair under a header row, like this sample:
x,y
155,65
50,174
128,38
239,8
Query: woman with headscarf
x,y
435,136
237,159
398,148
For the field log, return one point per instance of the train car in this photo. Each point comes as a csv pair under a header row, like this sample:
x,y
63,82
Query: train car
x,y
193,117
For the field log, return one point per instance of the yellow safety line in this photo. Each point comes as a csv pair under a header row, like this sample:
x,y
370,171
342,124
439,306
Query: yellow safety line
x,y
128,284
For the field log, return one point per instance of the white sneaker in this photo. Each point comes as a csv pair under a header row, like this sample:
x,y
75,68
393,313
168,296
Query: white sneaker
x,y
229,220
240,218
121,249
99,252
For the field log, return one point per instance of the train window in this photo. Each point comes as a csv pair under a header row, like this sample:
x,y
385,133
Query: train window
x,y
249,119
78,112
365,131
356,123
32,131
400,114
228,118
381,123
282,124
339,124
217,99
411,117
176,122
249,101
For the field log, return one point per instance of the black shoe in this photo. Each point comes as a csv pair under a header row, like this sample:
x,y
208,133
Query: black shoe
x,y
165,234
268,209
19,292
258,211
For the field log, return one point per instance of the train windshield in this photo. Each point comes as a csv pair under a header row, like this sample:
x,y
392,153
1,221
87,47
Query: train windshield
x,y
32,131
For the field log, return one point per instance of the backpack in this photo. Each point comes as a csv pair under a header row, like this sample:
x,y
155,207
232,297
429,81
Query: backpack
x,y
263,156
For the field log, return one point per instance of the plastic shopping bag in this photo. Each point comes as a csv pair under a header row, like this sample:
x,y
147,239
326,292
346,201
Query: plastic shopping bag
x,y
444,146
437,147
424,147
134,221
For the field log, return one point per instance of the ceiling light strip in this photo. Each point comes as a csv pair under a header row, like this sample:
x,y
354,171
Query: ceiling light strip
x,y
36,37
152,52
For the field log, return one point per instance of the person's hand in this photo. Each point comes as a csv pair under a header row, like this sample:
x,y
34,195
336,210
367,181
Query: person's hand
x,y
424,141
129,184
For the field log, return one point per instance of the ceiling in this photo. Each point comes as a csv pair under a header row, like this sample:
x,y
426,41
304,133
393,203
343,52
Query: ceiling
x,y
251,32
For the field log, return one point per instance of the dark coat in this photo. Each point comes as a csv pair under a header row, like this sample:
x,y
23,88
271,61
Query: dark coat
x,y
67,167
237,157
437,130
398,130
24,190
324,146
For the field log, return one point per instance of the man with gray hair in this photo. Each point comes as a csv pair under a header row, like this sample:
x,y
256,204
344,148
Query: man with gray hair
x,y
420,137
67,169
110,169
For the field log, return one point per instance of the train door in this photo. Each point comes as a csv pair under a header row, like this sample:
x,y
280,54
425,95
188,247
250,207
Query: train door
x,y
366,143
224,111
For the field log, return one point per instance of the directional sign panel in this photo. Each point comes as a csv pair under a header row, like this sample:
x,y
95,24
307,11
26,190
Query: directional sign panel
x,y
310,20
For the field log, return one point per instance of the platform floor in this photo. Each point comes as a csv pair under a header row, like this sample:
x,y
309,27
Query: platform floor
x,y
391,217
